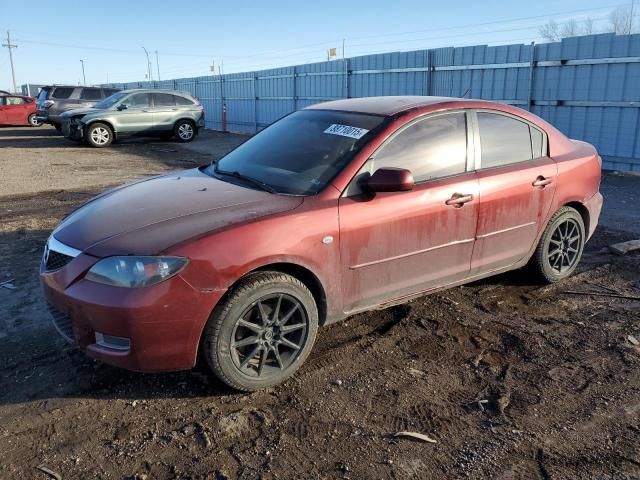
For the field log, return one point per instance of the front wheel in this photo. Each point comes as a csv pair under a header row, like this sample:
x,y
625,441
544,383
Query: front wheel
x,y
263,331
33,120
99,135
560,248
184,131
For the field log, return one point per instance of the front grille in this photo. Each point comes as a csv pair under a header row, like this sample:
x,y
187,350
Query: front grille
x,y
56,260
63,324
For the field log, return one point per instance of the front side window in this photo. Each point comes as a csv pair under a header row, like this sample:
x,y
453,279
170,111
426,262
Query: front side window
x,y
301,153
91,94
164,100
503,140
137,100
430,148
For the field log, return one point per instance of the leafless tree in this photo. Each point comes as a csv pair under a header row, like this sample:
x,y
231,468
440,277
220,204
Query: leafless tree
x,y
621,20
587,26
550,31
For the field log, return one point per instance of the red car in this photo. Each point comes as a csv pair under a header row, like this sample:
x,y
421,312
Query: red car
x,y
18,110
336,209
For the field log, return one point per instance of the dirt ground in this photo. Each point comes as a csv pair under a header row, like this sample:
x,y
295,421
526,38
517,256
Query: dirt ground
x,y
513,380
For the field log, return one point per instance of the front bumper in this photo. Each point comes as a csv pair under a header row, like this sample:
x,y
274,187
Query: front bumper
x,y
72,129
163,322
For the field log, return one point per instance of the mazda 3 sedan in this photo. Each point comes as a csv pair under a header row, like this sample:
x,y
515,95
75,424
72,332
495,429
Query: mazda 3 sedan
x,y
336,209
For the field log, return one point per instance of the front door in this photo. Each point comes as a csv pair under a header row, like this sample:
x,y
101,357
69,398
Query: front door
x,y
517,185
15,111
137,117
399,243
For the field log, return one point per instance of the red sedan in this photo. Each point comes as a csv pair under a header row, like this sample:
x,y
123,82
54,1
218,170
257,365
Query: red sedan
x,y
18,110
336,209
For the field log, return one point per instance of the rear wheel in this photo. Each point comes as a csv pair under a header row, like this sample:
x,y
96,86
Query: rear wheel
x,y
262,333
33,120
184,131
560,248
99,135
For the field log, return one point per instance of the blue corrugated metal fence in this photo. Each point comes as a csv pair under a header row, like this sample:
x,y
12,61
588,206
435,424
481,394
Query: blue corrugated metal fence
x,y
589,87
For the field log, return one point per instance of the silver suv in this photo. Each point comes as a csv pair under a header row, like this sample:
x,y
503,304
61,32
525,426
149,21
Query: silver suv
x,y
53,100
142,112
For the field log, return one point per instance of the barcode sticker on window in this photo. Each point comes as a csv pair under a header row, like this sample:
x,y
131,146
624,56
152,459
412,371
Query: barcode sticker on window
x,y
346,131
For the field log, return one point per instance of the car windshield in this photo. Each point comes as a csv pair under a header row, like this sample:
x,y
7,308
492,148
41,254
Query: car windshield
x,y
110,101
301,153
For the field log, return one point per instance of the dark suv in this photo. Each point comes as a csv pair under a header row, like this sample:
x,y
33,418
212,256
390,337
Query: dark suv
x,y
53,100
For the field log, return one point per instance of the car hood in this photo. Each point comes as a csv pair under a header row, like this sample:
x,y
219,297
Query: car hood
x,y
150,216
78,111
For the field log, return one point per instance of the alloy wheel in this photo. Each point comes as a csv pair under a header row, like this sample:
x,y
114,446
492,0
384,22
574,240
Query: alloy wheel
x,y
100,135
269,336
185,131
564,246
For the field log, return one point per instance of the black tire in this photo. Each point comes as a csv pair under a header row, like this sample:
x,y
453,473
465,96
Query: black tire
x,y
33,120
236,354
184,131
99,135
560,248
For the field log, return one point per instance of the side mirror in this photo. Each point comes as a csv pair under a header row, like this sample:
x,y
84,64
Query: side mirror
x,y
122,106
390,180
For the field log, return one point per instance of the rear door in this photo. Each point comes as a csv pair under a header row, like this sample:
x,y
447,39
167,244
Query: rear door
x,y
400,243
164,111
517,184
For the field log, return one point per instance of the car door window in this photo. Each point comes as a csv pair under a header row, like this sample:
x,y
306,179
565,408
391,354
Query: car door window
x,y
164,100
138,100
15,101
503,140
91,94
537,142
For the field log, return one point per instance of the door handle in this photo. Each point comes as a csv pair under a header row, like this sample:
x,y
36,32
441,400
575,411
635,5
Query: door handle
x,y
541,182
457,200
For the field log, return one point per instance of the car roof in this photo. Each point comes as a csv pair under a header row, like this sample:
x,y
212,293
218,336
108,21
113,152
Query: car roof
x,y
156,90
389,105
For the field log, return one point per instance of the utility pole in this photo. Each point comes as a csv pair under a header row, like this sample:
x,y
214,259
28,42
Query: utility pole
x,y
84,78
10,46
157,65
149,77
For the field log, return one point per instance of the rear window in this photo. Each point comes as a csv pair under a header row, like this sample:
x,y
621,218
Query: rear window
x,y
183,101
91,94
62,92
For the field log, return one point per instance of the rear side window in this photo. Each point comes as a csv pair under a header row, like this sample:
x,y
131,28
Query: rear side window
x,y
537,143
183,101
164,100
430,148
91,94
503,140
62,92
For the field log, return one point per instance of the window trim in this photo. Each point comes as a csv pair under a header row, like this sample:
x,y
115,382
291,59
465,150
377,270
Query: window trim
x,y
478,146
471,150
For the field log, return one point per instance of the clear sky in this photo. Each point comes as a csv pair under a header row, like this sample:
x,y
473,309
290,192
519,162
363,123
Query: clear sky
x,y
52,37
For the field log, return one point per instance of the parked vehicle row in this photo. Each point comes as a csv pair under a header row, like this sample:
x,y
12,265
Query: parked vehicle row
x,y
339,208
18,110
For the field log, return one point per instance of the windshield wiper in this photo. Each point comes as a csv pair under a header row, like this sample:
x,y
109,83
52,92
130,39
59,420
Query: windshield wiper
x,y
263,186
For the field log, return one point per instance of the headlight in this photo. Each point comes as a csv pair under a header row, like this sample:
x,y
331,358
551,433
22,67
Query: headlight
x,y
133,272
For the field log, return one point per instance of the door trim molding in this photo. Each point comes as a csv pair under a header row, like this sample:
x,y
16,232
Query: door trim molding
x,y
505,230
416,252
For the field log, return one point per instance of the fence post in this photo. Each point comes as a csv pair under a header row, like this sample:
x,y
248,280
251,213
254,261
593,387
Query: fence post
x,y
346,77
294,94
532,65
255,103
